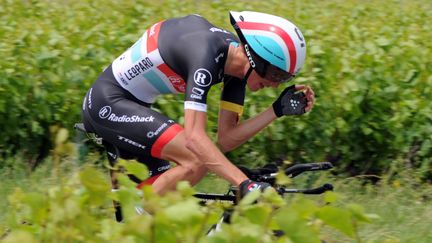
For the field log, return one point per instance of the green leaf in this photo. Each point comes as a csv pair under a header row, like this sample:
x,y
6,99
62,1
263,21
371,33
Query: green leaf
x,y
282,179
94,180
256,213
187,211
359,214
250,198
62,136
340,219
185,188
135,168
330,197
296,228
39,206
304,207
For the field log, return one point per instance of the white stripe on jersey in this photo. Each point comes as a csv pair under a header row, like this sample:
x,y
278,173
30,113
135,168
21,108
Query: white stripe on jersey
x,y
192,105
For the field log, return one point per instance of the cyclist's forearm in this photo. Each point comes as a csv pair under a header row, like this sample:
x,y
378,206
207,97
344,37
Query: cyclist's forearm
x,y
206,151
215,161
242,132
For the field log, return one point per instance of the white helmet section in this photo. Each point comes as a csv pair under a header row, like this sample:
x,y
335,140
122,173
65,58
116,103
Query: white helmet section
x,y
273,38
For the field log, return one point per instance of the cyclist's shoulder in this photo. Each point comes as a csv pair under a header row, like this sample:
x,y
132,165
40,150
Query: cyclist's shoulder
x,y
192,42
194,30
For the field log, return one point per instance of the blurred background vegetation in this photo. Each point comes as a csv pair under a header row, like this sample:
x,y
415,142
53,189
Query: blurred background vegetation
x,y
369,63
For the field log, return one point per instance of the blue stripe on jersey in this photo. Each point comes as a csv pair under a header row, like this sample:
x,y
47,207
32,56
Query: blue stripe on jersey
x,y
234,43
257,42
157,82
136,51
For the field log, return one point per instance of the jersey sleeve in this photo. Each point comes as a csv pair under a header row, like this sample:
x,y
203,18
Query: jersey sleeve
x,y
199,81
233,95
204,70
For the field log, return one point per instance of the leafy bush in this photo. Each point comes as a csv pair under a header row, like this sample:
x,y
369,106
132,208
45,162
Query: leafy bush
x,y
80,210
368,62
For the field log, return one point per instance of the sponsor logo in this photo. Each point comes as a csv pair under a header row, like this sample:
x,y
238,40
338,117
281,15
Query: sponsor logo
x,y
114,118
90,98
114,156
197,93
140,67
155,133
122,79
220,74
163,168
252,63
294,103
131,142
104,112
84,103
302,44
202,77
219,56
175,80
178,83
253,187
214,29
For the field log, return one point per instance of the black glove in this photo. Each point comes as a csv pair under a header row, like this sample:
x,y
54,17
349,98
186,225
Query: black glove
x,y
249,186
290,102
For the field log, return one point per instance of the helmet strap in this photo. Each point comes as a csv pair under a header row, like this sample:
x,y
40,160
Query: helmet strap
x,y
248,73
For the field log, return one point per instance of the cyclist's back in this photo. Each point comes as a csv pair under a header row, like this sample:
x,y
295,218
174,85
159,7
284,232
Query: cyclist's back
x,y
171,54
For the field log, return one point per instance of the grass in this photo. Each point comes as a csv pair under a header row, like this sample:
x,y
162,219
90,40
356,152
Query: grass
x,y
403,205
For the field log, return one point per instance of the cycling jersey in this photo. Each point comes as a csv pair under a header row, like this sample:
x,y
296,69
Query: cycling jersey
x,y
182,55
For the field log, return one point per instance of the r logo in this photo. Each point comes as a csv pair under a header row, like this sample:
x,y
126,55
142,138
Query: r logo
x,y
104,112
202,77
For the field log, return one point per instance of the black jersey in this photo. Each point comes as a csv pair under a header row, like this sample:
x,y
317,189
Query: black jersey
x,y
180,55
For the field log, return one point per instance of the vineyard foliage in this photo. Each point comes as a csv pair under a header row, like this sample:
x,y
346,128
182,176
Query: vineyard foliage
x,y
79,209
369,63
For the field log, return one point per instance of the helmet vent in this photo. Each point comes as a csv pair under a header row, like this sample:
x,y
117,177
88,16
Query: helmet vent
x,y
241,18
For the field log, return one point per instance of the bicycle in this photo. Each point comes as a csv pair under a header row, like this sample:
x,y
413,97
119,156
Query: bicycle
x,y
267,174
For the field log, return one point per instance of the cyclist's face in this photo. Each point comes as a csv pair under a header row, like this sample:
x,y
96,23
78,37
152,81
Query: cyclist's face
x,y
256,82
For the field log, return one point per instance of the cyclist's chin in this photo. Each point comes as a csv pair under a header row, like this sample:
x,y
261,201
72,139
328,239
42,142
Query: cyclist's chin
x,y
254,87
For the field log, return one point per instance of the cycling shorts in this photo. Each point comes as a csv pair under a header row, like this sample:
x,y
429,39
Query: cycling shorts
x,y
128,123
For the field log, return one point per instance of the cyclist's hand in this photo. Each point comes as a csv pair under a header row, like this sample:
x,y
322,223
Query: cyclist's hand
x,y
294,100
249,186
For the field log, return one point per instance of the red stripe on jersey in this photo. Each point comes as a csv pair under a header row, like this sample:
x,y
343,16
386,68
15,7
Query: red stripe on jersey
x,y
149,181
279,31
164,139
152,37
178,83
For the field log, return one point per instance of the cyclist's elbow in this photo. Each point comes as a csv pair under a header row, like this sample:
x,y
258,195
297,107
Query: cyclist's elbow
x,y
224,144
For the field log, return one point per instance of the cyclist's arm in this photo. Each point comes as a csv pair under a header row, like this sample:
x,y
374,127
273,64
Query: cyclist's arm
x,y
232,134
200,144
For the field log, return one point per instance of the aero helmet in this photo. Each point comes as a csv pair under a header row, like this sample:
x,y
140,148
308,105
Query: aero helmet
x,y
275,47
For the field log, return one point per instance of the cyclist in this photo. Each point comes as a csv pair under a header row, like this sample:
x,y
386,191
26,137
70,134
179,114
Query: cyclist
x,y
189,55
